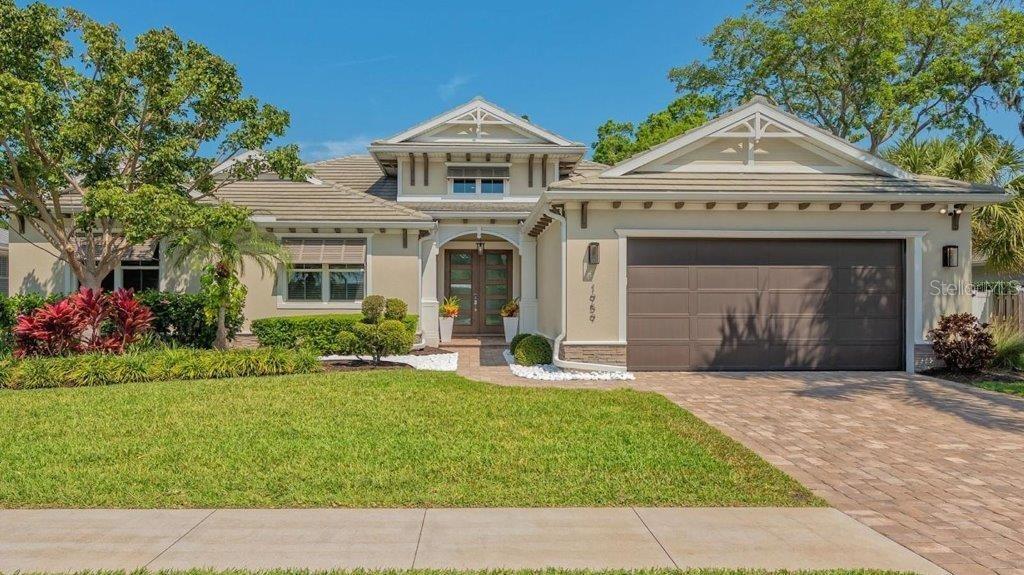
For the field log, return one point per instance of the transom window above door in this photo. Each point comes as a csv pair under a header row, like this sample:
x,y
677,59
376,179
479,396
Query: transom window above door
x,y
484,181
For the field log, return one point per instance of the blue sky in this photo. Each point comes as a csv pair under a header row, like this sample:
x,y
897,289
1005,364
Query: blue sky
x,y
351,72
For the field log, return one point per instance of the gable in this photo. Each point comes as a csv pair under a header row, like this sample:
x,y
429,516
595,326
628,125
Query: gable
x,y
479,121
756,138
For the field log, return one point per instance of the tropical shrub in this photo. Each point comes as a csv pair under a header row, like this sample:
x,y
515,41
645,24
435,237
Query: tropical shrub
x,y
519,337
89,320
19,304
389,337
182,318
318,333
450,307
172,364
533,350
962,342
1009,345
374,307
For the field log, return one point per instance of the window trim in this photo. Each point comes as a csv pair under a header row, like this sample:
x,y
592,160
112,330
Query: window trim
x,y
479,193
324,304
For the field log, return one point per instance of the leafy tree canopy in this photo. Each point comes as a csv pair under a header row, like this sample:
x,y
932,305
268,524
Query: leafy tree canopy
x,y
617,141
105,144
997,230
871,70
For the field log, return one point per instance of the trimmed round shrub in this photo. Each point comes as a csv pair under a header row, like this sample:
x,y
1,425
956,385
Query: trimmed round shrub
x,y
389,337
519,337
396,309
533,350
373,308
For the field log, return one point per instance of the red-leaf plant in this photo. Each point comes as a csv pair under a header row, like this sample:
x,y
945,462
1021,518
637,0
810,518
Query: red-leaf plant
x,y
89,320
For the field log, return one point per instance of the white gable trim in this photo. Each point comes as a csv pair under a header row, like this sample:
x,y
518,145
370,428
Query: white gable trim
x,y
764,115
500,116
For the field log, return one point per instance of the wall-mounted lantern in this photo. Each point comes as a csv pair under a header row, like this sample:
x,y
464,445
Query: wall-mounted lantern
x,y
950,256
480,248
593,253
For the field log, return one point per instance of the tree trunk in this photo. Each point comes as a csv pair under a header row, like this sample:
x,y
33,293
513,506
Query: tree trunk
x,y
86,280
221,341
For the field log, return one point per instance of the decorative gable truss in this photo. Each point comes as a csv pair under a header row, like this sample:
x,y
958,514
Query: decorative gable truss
x,y
757,138
478,121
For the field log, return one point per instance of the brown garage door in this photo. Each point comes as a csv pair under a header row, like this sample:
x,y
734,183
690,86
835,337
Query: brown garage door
x,y
732,304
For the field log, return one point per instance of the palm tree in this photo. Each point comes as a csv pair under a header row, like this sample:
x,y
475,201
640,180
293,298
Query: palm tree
x,y
998,230
220,241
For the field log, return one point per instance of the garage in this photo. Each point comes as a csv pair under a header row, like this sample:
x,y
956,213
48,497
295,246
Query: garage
x,y
764,304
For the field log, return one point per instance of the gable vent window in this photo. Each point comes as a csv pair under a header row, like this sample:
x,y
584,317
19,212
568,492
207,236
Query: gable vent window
x,y
478,180
326,270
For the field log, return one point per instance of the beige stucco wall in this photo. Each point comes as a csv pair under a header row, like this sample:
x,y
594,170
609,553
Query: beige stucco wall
x,y
549,301
602,281
33,268
393,272
518,185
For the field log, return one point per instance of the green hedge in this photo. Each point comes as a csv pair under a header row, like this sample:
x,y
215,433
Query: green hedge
x,y
318,333
183,363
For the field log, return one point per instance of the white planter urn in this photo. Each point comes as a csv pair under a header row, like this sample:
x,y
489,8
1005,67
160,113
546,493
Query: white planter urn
x,y
447,323
511,327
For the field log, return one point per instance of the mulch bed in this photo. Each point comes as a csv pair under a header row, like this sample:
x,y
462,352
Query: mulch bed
x,y
359,365
971,378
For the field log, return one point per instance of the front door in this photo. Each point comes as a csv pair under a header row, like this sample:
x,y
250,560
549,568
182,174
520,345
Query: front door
x,y
483,283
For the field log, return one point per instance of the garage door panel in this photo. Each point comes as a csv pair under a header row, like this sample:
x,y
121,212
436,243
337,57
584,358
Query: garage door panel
x,y
765,304
748,327
729,278
815,278
799,302
659,356
644,277
727,303
651,301
868,279
659,328
868,304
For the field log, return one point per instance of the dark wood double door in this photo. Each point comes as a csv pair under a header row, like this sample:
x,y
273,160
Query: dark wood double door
x,y
483,284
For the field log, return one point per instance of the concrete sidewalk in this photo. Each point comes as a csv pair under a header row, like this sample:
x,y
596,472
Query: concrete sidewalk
x,y
69,539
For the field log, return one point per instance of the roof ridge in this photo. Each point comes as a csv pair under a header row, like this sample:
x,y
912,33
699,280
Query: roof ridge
x,y
338,158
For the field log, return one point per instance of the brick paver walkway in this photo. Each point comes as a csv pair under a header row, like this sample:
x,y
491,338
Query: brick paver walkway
x,y
936,466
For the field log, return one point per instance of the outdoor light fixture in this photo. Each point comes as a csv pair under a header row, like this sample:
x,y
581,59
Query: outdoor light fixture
x,y
480,248
593,253
950,256
953,211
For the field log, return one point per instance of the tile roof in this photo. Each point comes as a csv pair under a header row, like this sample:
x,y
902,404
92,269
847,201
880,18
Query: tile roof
x,y
767,182
360,173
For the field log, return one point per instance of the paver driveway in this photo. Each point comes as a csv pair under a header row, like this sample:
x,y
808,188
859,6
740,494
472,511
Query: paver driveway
x,y
936,466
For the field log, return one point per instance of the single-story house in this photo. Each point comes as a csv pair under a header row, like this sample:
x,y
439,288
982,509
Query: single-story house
x,y
756,241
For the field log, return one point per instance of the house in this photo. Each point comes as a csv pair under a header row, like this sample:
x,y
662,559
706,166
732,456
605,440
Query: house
x,y
754,242
5,259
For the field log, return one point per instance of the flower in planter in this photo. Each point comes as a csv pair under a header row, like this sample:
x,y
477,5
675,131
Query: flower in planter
x,y
450,307
511,308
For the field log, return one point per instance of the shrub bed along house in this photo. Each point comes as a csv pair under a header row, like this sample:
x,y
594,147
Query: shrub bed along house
x,y
93,369
181,318
322,333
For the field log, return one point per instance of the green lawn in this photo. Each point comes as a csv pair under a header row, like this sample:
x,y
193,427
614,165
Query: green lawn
x,y
368,439
1011,387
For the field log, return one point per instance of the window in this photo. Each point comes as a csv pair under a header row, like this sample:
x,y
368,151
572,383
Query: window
x,y
492,186
463,186
326,270
140,272
478,180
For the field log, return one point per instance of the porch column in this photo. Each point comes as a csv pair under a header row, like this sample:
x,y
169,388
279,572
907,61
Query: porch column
x,y
527,284
428,291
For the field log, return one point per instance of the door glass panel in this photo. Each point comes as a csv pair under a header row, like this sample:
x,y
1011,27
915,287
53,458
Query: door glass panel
x,y
462,275
492,319
496,290
497,274
494,259
494,304
461,258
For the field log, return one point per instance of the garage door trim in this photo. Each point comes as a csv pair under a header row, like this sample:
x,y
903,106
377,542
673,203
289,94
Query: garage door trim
x,y
912,281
